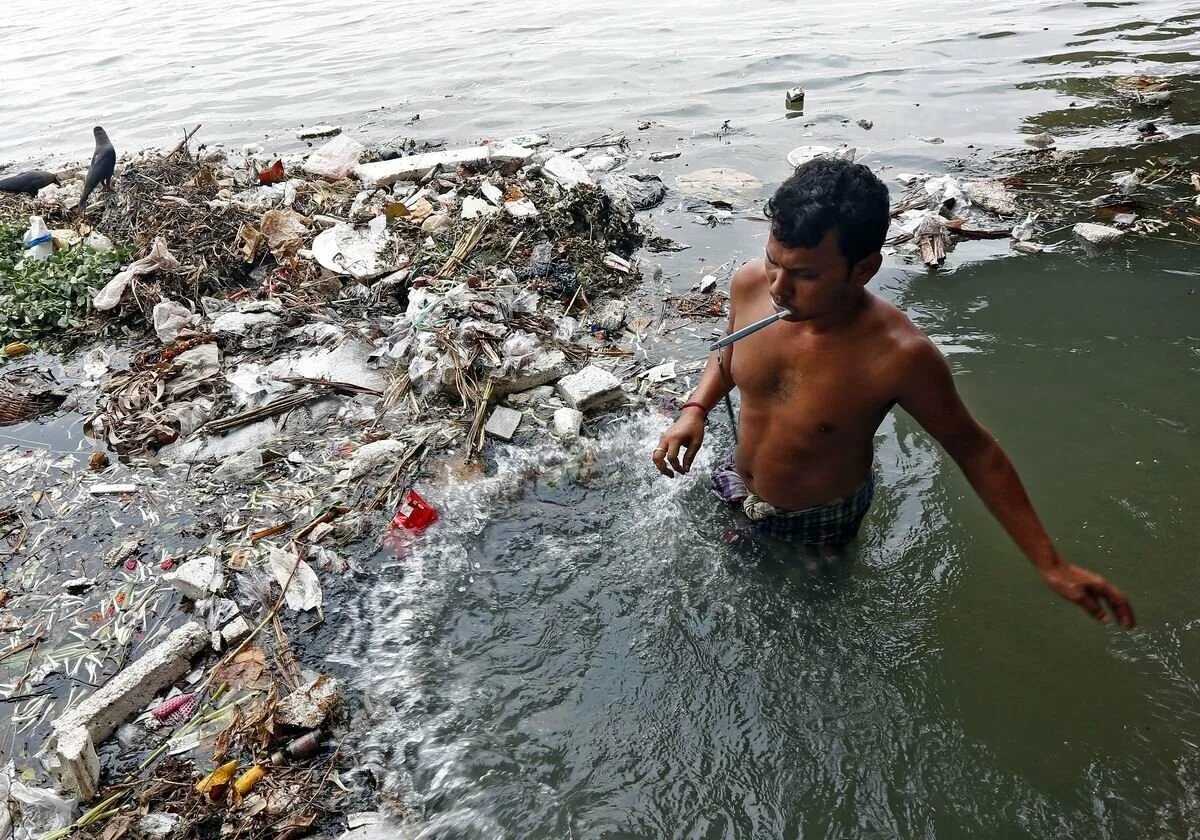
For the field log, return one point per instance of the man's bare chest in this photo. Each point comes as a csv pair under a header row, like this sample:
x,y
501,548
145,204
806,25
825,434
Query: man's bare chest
x,y
825,390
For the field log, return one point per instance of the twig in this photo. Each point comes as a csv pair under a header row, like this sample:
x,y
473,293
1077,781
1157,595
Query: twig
x,y
276,406
187,136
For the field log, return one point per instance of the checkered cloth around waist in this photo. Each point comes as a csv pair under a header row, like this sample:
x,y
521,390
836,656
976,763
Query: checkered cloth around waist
x,y
832,524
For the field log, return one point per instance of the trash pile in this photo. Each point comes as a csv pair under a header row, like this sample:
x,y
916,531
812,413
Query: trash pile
x,y
293,352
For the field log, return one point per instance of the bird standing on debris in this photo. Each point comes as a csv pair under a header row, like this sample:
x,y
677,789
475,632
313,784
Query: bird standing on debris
x,y
104,161
28,182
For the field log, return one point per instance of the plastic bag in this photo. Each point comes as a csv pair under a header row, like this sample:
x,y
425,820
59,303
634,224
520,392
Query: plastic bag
x,y
169,319
40,810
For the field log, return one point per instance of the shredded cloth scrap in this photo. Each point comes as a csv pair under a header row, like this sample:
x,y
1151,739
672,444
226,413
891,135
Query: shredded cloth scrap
x,y
832,524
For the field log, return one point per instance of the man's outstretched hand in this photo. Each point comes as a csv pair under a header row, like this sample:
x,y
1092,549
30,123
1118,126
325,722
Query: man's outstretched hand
x,y
1091,592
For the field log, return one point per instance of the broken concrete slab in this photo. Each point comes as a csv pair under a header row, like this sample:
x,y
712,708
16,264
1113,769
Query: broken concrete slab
x,y
197,578
235,630
533,396
1097,235
74,764
567,423
992,196
545,369
503,423
593,387
71,748
384,173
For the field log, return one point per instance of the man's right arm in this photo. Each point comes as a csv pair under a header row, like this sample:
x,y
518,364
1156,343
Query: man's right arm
x,y
687,433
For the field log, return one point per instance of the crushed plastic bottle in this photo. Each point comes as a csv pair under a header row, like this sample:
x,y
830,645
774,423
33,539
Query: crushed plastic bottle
x,y
38,240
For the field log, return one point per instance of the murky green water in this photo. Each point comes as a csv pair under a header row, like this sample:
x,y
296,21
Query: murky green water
x,y
583,657
593,662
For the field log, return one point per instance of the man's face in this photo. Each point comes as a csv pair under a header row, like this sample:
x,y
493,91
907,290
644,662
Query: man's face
x,y
813,282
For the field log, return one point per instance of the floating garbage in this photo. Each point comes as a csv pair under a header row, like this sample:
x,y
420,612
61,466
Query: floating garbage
x,y
720,184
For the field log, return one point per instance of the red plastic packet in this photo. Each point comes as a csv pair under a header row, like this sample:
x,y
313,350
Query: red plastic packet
x,y
414,514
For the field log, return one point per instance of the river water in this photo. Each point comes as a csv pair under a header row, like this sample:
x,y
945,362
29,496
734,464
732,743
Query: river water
x,y
573,652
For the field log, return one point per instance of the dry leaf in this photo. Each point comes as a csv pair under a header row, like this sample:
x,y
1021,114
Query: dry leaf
x,y
247,670
118,827
297,825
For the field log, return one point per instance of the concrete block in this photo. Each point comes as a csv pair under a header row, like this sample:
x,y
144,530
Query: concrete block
x,y
546,369
567,423
590,388
74,765
236,630
197,578
503,423
384,173
1097,235
71,748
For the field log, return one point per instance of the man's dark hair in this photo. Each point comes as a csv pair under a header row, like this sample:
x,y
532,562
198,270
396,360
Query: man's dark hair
x,y
830,194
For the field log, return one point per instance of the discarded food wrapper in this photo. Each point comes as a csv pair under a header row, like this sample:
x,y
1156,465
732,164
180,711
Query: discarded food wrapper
x,y
217,782
308,706
273,173
414,514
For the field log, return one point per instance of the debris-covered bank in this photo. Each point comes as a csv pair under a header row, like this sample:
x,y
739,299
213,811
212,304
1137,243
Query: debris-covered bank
x,y
278,362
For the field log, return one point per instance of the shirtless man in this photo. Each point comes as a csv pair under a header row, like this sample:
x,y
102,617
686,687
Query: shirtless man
x,y
816,385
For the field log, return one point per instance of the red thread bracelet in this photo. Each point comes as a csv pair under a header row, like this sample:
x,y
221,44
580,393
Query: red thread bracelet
x,y
693,405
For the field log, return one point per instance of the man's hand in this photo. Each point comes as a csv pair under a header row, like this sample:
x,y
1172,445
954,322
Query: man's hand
x,y
684,436
1091,592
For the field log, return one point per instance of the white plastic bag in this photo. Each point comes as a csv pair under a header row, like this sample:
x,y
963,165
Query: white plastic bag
x,y
38,239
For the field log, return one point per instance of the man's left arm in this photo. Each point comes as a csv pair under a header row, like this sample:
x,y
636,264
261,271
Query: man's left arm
x,y
930,397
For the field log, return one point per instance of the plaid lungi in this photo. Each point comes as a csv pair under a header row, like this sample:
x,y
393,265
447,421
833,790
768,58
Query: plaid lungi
x,y
832,524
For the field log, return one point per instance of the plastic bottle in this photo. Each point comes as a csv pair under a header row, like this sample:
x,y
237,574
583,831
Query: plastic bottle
x,y
38,239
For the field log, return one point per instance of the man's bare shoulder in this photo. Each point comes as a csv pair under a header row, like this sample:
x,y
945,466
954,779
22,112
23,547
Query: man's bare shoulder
x,y
748,280
903,341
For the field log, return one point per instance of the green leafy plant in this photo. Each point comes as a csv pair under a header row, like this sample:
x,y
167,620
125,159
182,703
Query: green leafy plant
x,y
38,297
